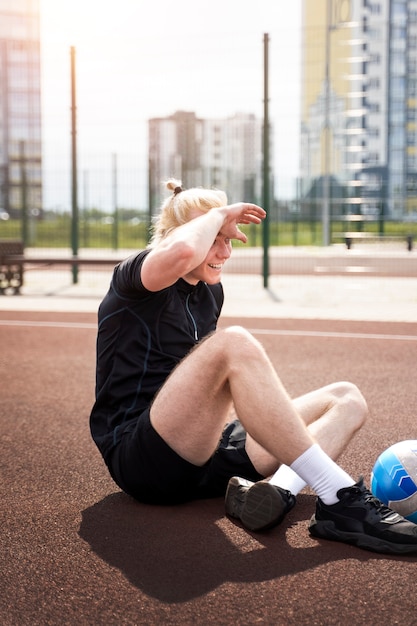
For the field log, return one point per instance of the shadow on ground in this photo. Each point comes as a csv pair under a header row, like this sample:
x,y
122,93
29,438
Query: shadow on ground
x,y
164,551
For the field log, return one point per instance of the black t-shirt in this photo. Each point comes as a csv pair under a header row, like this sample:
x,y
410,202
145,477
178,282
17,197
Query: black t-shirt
x,y
142,335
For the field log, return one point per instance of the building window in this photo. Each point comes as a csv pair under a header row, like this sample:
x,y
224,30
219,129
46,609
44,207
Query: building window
x,y
373,83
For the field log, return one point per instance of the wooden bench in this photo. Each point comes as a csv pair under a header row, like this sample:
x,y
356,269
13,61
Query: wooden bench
x,y
351,236
13,262
11,266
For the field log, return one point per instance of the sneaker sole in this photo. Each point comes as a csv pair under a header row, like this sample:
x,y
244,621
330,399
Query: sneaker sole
x,y
233,505
327,530
264,507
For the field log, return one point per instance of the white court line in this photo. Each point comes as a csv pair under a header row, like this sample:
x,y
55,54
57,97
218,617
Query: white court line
x,y
327,334
51,324
254,331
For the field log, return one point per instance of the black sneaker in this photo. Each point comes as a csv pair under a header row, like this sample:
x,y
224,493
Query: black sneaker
x,y
362,520
258,506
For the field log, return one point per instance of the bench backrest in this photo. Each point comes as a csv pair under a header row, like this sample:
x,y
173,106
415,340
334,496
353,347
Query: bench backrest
x,y
10,246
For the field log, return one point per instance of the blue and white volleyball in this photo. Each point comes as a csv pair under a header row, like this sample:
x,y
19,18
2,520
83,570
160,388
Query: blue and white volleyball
x,y
394,478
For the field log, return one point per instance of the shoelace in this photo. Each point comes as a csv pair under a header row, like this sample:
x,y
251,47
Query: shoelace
x,y
369,498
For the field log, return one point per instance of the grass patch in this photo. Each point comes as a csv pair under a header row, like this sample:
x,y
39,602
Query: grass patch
x,y
56,233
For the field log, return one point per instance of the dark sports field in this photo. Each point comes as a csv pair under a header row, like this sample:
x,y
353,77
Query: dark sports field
x,y
75,550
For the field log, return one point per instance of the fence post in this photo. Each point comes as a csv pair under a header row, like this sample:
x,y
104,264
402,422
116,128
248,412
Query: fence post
x,y
115,202
266,182
74,186
24,195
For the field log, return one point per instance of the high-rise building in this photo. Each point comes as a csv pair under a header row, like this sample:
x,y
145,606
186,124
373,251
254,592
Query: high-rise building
x,y
359,107
20,108
220,153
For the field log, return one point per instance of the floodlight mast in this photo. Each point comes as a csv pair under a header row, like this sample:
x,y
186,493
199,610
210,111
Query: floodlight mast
x,y
326,180
74,182
266,176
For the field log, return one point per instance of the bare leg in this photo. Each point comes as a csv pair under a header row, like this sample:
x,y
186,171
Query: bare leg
x,y
230,367
333,414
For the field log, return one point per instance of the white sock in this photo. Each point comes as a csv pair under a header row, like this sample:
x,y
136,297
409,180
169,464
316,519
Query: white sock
x,y
286,478
321,473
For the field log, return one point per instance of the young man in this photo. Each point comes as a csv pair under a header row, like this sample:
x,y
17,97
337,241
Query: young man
x,y
184,412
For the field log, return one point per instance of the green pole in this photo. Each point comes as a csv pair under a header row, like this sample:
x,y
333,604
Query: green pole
x,y
24,199
150,197
85,212
382,206
266,182
74,185
326,178
115,207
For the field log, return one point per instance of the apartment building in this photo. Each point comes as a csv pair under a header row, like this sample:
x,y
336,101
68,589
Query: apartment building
x,y
20,108
359,106
219,153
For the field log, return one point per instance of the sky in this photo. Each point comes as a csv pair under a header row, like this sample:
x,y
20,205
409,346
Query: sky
x,y
137,59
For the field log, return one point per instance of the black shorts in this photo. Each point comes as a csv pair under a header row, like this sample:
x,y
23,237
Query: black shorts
x,y
145,467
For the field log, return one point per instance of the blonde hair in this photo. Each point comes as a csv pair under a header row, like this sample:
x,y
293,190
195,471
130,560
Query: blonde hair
x,y
177,209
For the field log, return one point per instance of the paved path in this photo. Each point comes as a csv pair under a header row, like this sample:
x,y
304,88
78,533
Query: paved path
x,y
312,283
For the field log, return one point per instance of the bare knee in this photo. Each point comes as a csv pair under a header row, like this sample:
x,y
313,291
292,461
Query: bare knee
x,y
238,333
239,347
350,400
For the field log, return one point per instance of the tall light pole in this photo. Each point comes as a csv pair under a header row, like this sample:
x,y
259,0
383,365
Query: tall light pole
x,y
115,204
266,178
338,15
326,177
74,182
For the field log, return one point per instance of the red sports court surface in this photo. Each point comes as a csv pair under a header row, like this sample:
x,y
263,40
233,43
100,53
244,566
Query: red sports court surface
x,y
75,550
